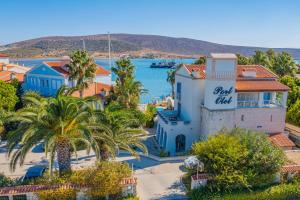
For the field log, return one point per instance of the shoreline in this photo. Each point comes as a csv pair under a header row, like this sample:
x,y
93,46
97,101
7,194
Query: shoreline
x,y
98,58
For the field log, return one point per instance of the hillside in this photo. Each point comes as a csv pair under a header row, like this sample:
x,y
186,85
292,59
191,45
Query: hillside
x,y
131,44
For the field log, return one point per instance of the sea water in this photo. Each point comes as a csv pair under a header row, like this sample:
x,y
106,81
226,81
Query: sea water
x,y
153,80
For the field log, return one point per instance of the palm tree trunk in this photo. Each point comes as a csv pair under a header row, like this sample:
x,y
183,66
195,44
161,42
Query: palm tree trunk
x,y
104,153
81,93
63,156
173,92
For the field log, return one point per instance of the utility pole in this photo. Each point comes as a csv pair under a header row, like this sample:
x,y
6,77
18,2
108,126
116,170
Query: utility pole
x,y
83,44
109,56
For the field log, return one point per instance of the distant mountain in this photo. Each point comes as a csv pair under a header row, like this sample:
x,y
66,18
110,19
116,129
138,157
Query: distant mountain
x,y
131,44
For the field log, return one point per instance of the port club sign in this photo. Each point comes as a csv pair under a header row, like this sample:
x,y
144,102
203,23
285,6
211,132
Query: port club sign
x,y
223,95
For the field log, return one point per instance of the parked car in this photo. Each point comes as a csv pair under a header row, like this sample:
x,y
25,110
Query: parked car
x,y
34,172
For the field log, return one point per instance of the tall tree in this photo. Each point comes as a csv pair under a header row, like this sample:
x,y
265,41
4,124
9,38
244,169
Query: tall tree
x,y
127,90
123,70
171,80
243,60
82,69
284,64
201,61
59,122
124,130
261,58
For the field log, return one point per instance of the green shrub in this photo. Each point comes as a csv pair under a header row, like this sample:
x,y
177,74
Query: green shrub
x,y
279,192
239,159
163,153
58,194
150,114
130,198
8,97
104,179
5,181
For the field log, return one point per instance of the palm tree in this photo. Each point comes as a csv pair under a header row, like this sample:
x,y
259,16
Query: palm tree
x,y
129,93
284,64
171,80
120,128
82,69
123,70
127,89
200,61
59,122
261,58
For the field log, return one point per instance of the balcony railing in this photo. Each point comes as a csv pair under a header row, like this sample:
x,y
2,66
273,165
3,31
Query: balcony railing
x,y
247,104
254,104
271,103
171,116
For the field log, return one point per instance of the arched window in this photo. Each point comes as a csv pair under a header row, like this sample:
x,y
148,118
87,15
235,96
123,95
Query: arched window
x,y
180,143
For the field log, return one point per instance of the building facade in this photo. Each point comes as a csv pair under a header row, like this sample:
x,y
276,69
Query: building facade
x,y
221,94
4,59
47,78
10,71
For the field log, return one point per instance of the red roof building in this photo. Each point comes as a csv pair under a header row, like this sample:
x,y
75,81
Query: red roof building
x,y
222,94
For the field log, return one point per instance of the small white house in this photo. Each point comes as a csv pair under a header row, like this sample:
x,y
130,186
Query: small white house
x,y
4,59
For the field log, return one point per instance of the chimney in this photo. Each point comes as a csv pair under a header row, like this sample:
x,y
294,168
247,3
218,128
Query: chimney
x,y
195,73
12,76
249,72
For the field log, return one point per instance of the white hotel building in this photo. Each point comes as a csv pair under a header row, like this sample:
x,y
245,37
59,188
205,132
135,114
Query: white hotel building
x,y
221,94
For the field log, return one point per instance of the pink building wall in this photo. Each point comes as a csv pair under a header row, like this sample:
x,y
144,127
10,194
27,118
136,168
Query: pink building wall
x,y
271,120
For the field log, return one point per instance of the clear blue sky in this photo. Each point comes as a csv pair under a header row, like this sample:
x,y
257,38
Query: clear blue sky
x,y
270,23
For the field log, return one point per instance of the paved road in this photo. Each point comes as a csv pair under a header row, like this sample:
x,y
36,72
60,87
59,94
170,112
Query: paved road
x,y
157,180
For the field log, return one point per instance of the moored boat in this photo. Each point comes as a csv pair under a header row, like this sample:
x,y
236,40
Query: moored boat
x,y
163,65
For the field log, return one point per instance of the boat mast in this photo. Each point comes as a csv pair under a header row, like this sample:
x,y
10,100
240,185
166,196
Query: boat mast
x,y
109,58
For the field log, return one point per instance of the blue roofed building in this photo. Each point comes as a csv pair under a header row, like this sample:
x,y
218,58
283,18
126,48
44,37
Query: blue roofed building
x,y
48,77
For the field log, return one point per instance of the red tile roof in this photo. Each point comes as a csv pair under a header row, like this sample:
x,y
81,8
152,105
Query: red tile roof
x,y
57,66
265,80
33,188
128,181
101,86
93,89
261,72
201,176
290,168
198,68
281,140
55,63
260,85
2,55
101,71
6,76
61,70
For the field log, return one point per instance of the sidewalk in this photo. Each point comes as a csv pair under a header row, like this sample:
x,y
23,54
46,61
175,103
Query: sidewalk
x,y
295,130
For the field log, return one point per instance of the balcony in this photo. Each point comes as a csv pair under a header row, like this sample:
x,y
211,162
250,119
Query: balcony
x,y
271,103
170,116
256,104
247,104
